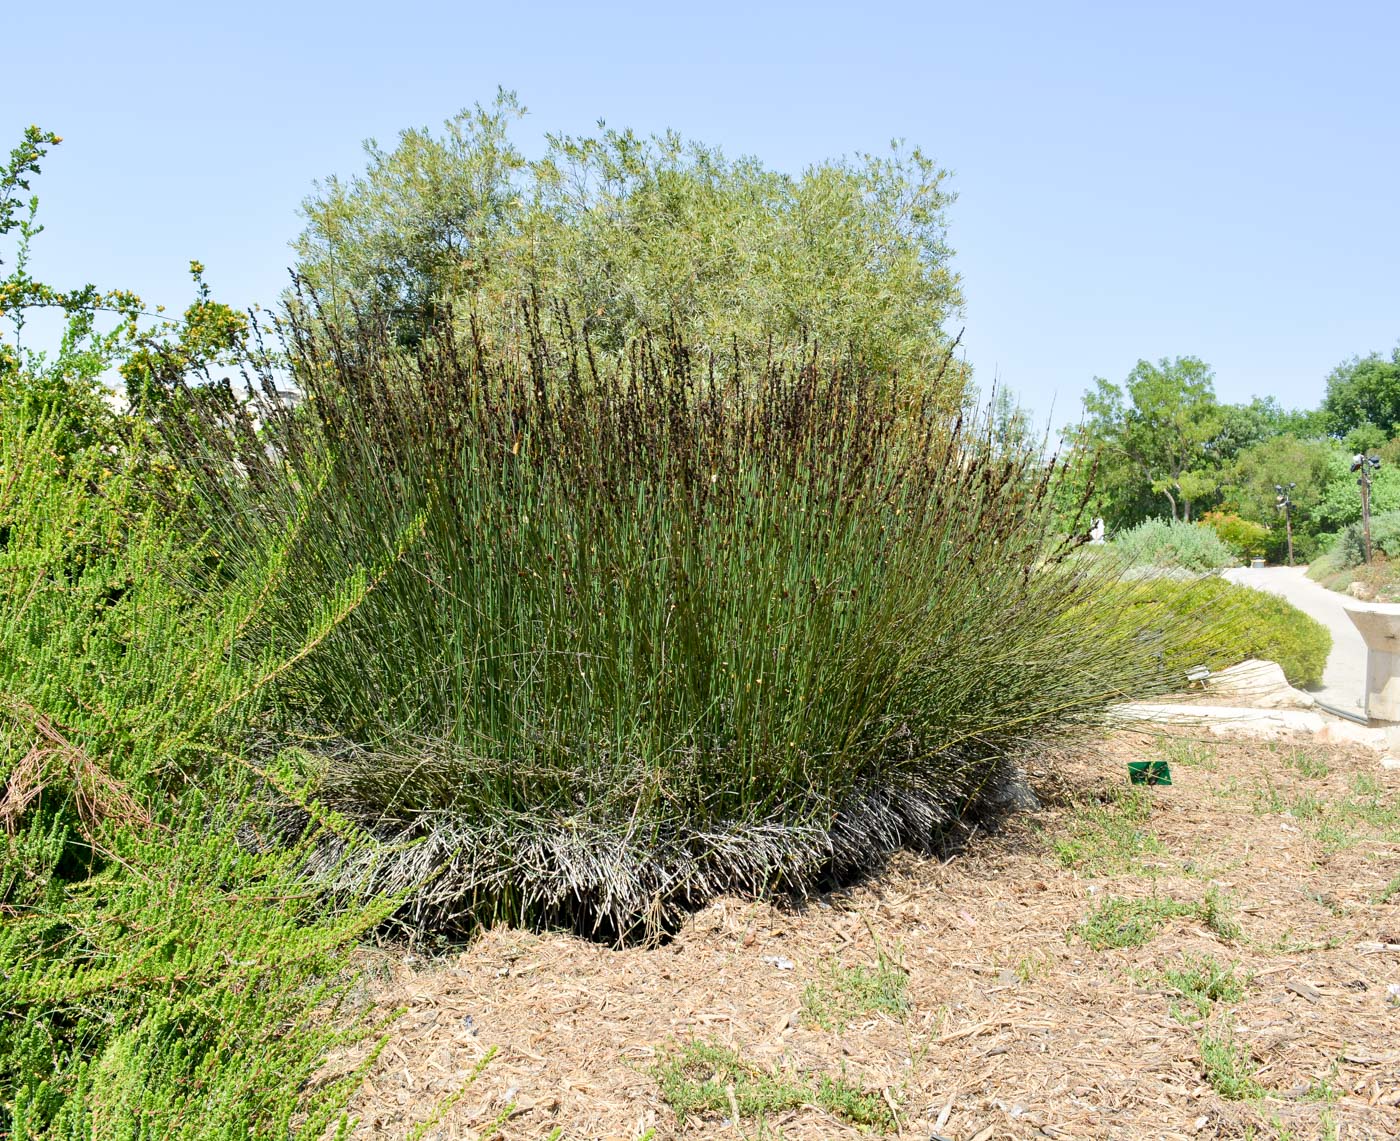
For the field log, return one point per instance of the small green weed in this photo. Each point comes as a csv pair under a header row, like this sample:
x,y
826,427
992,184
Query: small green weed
x,y
1189,754
1368,809
1140,977
1202,981
1228,1066
1390,891
1107,839
1128,922
861,1107
1120,922
1366,785
1214,911
1307,807
1265,798
1325,1088
1328,902
1333,837
705,1077
1289,944
844,993
1030,966
1306,763
1372,806
1281,1131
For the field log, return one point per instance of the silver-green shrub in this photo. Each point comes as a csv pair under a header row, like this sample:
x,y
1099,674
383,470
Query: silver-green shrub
x,y
1173,544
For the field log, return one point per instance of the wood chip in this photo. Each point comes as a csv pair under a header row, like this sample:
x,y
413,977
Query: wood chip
x,y
1371,1059
1371,947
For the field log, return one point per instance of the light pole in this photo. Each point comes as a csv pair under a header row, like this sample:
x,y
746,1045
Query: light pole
x,y
1285,501
1365,465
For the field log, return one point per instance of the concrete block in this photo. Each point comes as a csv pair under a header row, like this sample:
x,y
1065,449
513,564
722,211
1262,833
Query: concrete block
x,y
1379,625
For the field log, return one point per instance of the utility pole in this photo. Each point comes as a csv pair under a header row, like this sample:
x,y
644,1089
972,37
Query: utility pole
x,y
1365,465
1285,501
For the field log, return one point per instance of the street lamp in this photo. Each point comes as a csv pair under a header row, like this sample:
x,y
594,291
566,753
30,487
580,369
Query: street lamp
x,y
1365,465
1285,502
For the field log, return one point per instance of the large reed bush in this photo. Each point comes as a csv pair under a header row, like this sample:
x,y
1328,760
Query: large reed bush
x,y
644,628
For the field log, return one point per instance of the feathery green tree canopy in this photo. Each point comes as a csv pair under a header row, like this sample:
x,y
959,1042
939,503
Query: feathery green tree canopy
x,y
634,235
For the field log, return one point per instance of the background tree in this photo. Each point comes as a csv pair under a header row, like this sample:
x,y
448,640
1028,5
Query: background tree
x,y
1364,391
105,334
1154,435
1250,482
1263,418
1341,499
639,235
426,221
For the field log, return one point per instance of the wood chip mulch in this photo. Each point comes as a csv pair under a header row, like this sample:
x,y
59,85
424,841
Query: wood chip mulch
x,y
1015,1027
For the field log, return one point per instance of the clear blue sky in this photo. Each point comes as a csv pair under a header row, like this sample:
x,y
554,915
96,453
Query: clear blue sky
x,y
1135,180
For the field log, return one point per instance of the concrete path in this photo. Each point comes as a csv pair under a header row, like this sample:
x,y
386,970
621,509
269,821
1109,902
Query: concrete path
x,y
1344,679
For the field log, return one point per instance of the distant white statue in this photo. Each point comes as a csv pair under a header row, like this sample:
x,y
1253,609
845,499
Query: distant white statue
x,y
1096,532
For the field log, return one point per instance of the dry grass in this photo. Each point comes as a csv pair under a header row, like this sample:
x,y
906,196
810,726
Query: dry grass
x,y
1257,1009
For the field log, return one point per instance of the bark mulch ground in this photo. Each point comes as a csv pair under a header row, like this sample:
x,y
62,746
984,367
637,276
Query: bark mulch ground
x,y
1216,958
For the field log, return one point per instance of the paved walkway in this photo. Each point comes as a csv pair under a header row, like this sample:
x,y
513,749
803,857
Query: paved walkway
x,y
1344,679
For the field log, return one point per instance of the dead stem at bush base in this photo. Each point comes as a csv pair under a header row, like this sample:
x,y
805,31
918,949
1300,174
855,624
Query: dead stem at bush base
x,y
629,884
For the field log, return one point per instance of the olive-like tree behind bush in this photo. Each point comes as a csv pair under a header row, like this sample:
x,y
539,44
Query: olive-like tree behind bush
x,y
640,236
644,627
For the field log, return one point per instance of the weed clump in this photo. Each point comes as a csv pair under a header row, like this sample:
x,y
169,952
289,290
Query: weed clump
x,y
704,1078
1111,838
1128,922
1118,922
1202,981
844,993
1228,1065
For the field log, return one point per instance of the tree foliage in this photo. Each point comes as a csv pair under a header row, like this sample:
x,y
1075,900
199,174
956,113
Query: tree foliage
x,y
1364,391
1156,431
1165,446
106,333
1305,468
634,235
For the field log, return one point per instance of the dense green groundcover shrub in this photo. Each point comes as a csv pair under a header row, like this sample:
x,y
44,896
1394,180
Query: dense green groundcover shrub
x,y
1236,623
641,627
1172,543
158,978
